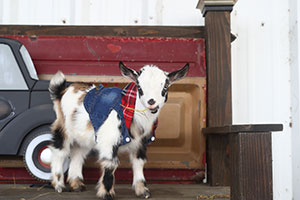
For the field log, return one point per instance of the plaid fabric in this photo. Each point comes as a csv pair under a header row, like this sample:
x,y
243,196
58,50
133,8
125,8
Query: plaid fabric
x,y
128,101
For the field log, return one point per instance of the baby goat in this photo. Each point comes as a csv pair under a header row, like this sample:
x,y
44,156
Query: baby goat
x,y
92,117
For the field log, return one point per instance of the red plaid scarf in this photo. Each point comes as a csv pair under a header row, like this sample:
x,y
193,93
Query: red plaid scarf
x,y
128,101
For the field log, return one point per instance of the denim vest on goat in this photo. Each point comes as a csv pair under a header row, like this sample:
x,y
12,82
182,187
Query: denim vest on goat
x,y
99,102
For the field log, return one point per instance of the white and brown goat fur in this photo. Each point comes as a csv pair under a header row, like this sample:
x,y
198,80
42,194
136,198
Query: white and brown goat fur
x,y
74,135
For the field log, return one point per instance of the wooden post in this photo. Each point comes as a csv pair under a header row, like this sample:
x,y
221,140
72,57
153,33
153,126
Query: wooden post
x,y
219,110
251,158
250,149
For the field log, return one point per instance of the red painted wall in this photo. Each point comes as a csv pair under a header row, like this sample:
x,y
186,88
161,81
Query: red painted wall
x,y
95,55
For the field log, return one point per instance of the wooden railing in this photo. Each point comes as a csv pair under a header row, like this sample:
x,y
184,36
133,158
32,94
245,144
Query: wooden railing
x,y
249,158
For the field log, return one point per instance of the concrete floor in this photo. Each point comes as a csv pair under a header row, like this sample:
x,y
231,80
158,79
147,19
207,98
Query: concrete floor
x,y
158,191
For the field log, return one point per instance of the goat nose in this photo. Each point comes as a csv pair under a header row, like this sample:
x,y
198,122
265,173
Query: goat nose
x,y
151,102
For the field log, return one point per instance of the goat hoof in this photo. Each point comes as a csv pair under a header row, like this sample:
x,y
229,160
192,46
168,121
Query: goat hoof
x,y
67,189
60,189
145,195
107,197
81,188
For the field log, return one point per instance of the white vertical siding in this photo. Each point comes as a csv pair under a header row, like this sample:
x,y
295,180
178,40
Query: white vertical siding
x,y
295,93
261,78
265,58
100,12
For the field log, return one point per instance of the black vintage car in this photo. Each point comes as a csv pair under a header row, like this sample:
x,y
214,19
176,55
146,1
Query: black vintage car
x,y
26,111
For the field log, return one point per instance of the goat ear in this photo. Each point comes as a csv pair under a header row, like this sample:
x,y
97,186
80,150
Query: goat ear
x,y
127,72
178,74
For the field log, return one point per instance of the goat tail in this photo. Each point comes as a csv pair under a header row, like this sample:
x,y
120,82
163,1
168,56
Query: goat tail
x,y
57,86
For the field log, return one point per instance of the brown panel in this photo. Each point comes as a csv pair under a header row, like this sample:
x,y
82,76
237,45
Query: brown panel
x,y
129,31
11,161
218,92
251,158
179,124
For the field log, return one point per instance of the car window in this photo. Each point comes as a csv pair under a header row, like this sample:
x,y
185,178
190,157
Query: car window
x,y
11,77
29,64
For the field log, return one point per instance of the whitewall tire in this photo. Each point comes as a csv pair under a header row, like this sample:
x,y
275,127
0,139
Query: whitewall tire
x,y
37,156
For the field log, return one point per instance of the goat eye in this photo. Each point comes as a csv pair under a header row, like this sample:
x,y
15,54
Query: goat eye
x,y
140,90
165,90
166,98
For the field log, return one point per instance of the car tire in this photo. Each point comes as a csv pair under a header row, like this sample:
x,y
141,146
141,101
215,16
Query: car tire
x,y
37,155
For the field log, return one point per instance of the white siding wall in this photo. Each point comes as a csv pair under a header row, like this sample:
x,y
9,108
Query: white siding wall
x,y
100,12
295,93
265,58
261,78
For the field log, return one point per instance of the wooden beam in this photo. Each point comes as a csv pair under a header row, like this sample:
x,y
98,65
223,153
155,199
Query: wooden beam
x,y
126,31
218,68
249,128
219,109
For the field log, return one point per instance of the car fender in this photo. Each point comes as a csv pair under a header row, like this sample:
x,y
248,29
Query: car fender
x,y
13,134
